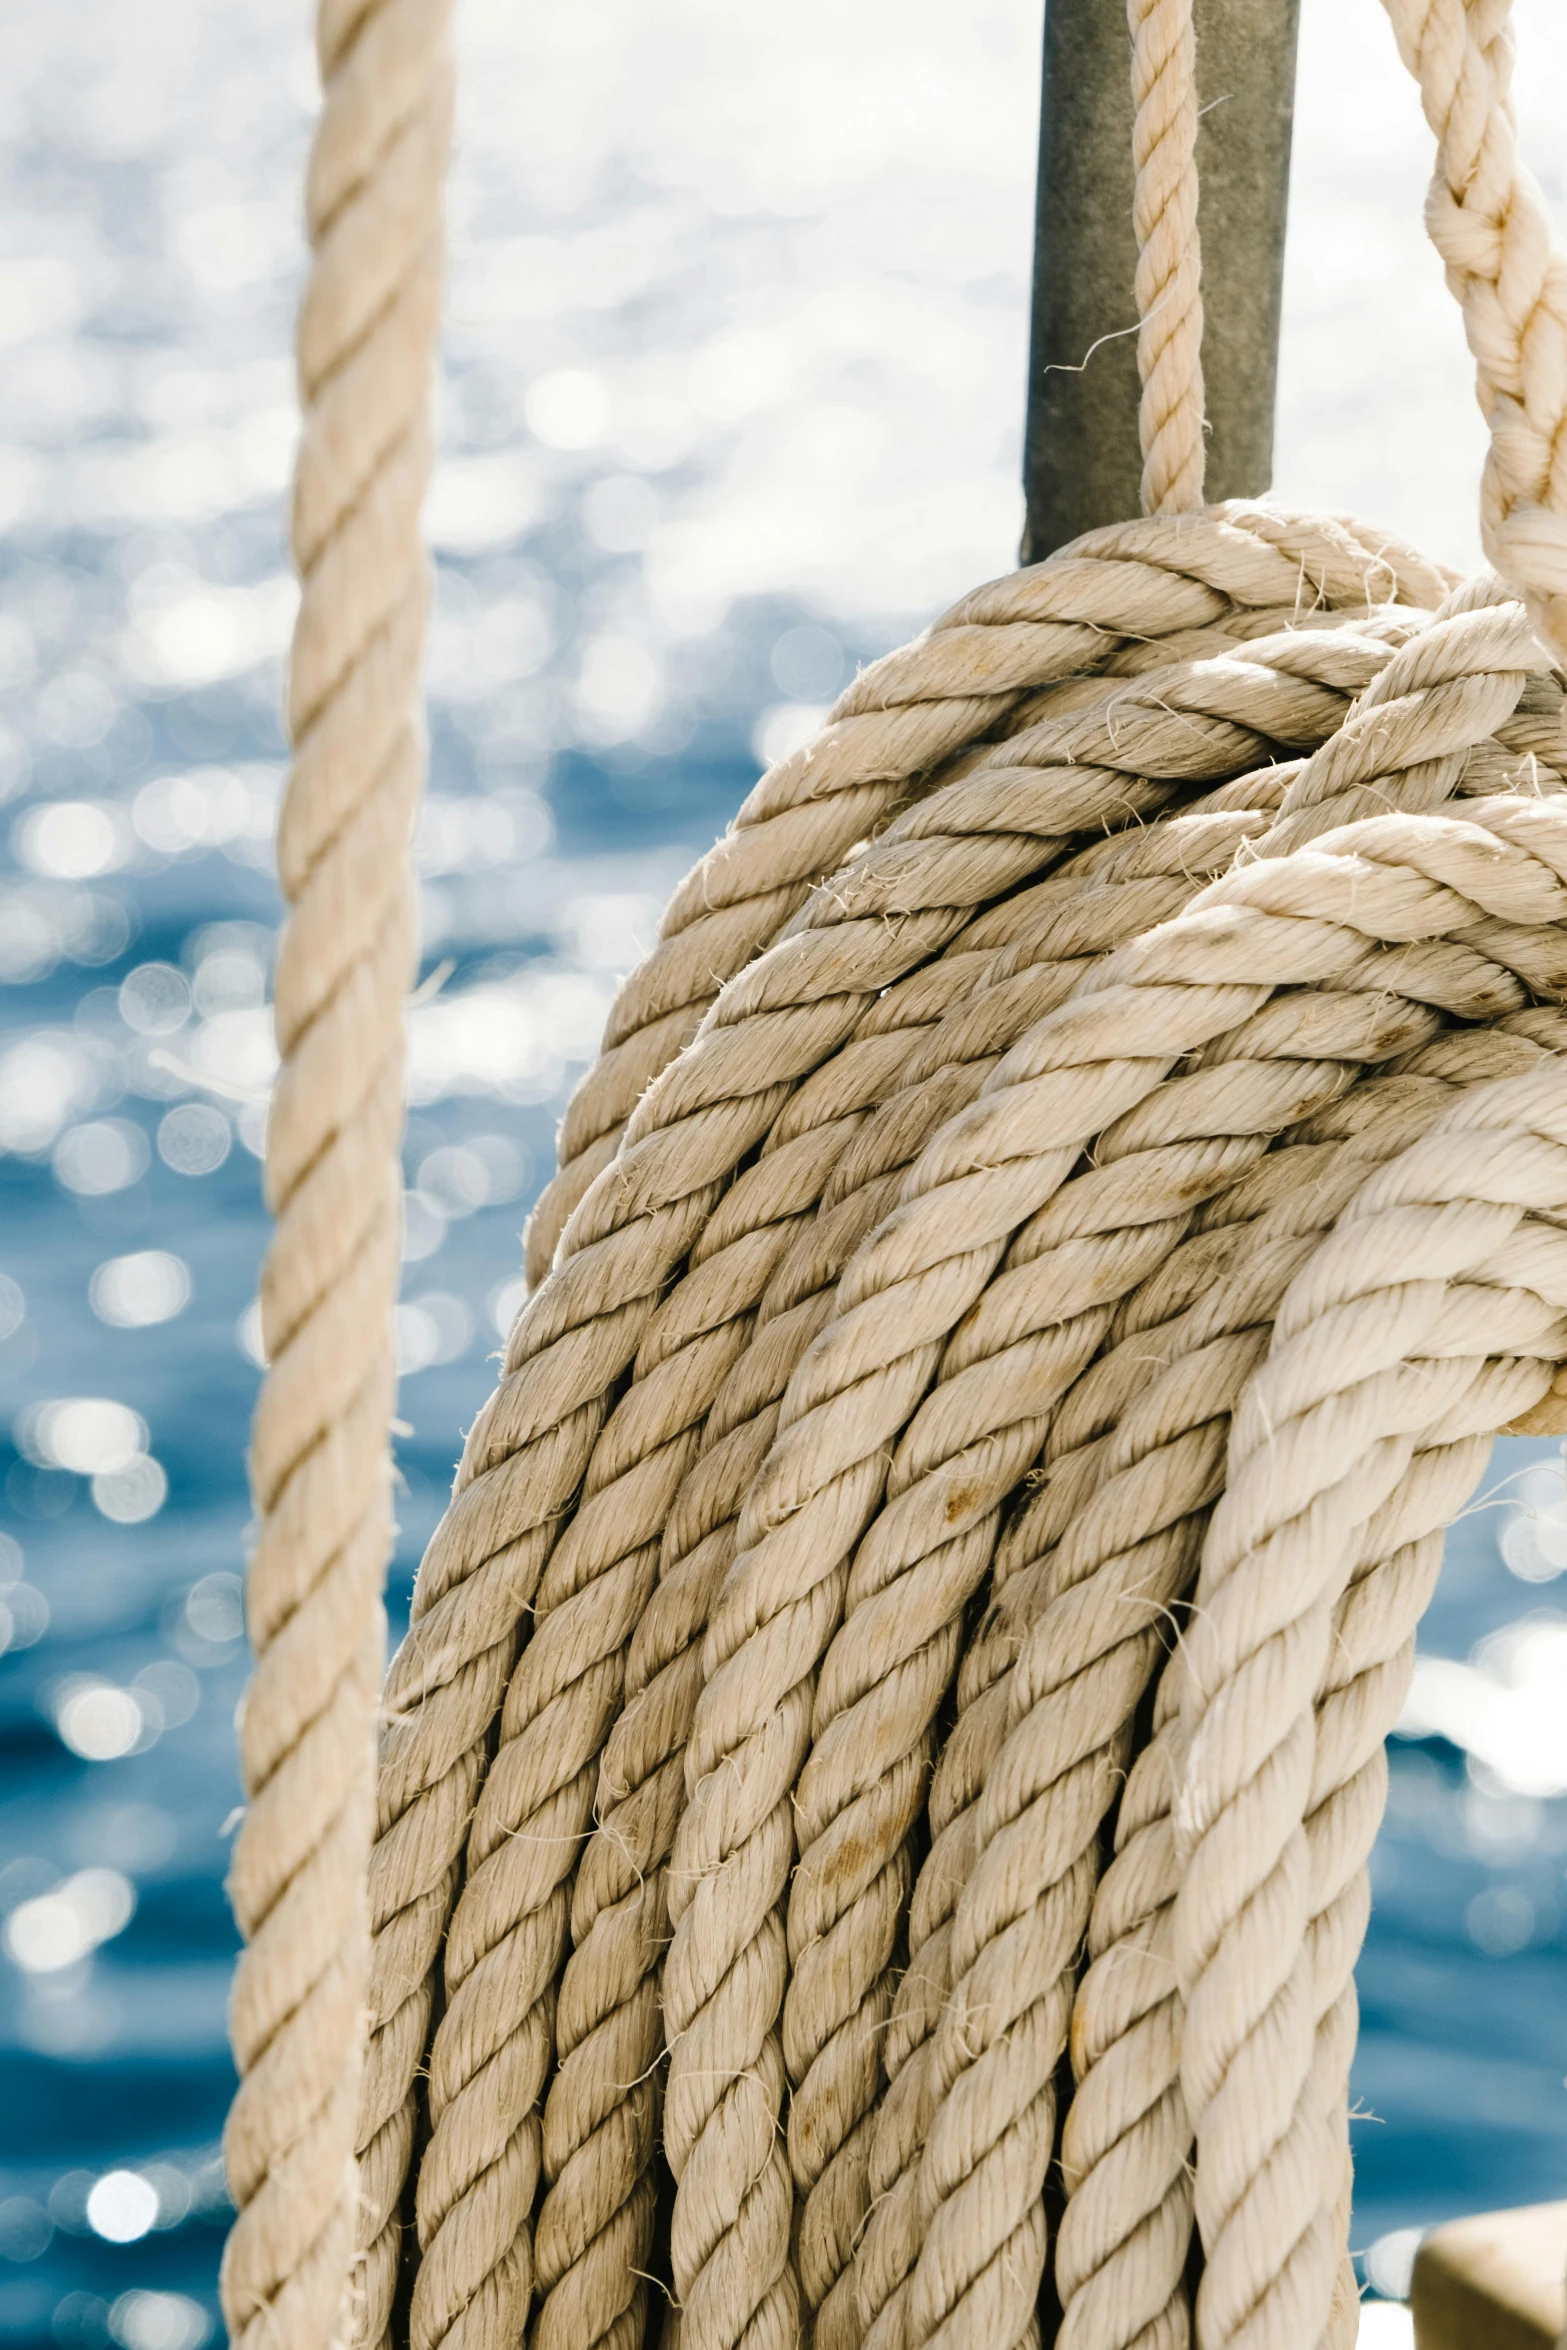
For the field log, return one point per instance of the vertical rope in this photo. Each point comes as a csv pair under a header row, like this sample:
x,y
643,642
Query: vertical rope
x,y
1169,255
320,1461
1488,221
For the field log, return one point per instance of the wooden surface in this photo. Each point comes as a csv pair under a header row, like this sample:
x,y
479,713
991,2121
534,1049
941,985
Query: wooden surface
x,y
1494,2282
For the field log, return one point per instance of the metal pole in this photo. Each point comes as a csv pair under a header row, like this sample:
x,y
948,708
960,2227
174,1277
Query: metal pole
x,y
1082,463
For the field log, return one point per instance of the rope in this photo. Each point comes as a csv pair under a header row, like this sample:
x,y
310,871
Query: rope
x,y
320,1467
525,1837
1002,2025
1145,1441
1169,254
1488,221
1090,1611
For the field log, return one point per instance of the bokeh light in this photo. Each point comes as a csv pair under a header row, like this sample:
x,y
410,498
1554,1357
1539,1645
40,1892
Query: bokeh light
x,y
133,1292
122,2207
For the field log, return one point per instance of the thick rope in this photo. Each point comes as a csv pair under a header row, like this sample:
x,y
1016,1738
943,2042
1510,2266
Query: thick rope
x,y
1122,2247
1126,2149
1141,1439
988,2085
887,1669
1305,788
320,1466
1169,255
1106,1575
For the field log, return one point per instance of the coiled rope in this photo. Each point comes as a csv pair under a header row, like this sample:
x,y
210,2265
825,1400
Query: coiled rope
x,y
1054,1225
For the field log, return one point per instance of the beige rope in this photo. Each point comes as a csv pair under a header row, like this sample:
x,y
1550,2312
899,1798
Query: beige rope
x,y
992,2089
760,1695
534,1848
1127,2143
889,1665
1106,1575
1488,221
320,1467
1122,2249
1145,1189
1169,256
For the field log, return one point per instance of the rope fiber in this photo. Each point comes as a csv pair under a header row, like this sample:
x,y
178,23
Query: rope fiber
x,y
872,1810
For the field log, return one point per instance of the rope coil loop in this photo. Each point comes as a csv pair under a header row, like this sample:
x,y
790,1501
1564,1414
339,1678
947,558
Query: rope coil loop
x,y
1039,1260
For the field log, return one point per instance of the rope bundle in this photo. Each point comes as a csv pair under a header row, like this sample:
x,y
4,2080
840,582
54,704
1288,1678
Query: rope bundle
x,y
874,1801
858,1336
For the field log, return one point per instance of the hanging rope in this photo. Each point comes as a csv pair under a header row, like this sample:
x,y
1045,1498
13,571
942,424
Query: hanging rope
x,y
1488,221
320,1465
969,1417
1169,254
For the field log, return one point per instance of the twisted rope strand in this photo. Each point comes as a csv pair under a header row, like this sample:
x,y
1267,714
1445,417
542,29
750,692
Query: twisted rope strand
x,y
884,1677
1123,2236
598,1582
1489,223
996,2013
477,2186
787,1020
618,1895
1077,1682
703,2071
1169,254
320,1468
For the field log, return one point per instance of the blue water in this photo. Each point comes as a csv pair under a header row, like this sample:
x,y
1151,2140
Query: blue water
x,y
712,433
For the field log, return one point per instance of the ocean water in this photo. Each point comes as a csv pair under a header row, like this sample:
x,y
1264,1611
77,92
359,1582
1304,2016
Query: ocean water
x,y
731,402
